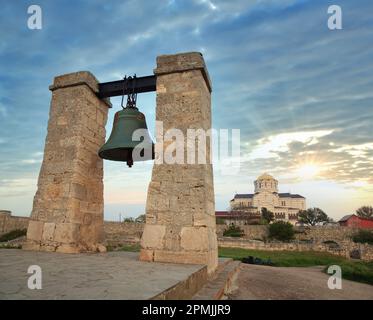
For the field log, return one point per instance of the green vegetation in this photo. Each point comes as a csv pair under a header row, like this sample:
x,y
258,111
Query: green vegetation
x,y
313,216
281,230
365,212
5,245
220,221
363,236
233,231
352,270
14,234
267,215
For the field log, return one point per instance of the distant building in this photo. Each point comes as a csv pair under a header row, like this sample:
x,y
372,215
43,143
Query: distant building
x,y
354,221
285,206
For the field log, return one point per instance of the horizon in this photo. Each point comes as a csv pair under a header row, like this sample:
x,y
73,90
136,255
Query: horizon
x,y
299,93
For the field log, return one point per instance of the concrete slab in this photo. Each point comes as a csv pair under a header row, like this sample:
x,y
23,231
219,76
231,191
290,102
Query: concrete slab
x,y
113,275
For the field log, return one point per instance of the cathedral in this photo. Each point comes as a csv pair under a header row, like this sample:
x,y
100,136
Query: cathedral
x,y
285,206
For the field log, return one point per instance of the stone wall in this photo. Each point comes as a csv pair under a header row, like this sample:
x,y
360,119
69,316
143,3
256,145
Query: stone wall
x,y
317,234
321,234
117,233
9,222
254,232
67,214
344,250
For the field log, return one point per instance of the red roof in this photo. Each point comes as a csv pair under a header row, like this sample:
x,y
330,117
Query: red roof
x,y
356,222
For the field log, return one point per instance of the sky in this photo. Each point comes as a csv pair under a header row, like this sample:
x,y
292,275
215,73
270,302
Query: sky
x,y
300,93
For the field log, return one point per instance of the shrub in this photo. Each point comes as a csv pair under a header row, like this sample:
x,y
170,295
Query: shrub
x,y
220,221
14,234
282,231
233,231
363,236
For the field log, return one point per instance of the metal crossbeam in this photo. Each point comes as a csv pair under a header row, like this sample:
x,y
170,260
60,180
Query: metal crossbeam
x,y
115,88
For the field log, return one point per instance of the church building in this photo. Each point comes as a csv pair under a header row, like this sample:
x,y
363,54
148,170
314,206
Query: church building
x,y
285,206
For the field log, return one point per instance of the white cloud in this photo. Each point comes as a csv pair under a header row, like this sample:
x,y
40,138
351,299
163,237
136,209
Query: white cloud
x,y
268,146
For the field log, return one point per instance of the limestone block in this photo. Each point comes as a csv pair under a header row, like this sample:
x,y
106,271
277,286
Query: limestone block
x,y
153,236
35,230
147,255
101,248
48,231
67,248
67,232
189,257
195,238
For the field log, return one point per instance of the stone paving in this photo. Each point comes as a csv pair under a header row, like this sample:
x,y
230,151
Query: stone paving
x,y
113,275
275,283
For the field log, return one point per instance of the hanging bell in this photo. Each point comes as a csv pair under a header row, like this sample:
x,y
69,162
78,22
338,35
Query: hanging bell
x,y
129,140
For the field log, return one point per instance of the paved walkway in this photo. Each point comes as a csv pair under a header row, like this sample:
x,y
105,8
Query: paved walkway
x,y
113,275
274,283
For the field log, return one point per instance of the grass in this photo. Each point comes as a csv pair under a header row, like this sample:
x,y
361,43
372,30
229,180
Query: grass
x,y
284,258
14,234
10,246
359,271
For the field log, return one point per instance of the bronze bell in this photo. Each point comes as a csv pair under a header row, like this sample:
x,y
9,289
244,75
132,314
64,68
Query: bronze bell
x,y
120,146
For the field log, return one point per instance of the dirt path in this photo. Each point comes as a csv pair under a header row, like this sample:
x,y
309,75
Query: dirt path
x,y
273,283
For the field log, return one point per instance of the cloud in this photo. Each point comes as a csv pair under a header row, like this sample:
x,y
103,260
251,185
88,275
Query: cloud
x,y
297,91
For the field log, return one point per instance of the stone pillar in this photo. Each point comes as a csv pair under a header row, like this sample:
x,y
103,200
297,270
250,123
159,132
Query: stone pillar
x,y
180,209
67,214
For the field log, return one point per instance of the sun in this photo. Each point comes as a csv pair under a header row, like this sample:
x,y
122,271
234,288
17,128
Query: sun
x,y
308,171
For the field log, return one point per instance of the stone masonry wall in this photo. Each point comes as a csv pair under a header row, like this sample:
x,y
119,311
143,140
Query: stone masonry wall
x,y
344,250
318,234
9,222
180,207
67,214
117,233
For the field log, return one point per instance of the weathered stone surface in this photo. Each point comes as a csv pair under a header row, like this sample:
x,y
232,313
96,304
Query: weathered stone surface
x,y
48,231
147,255
153,236
195,238
181,196
67,213
35,230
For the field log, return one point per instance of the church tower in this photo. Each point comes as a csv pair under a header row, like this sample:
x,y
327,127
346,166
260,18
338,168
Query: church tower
x,y
267,183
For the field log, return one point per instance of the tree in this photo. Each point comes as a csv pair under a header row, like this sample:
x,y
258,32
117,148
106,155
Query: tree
x,y
140,218
365,212
130,219
267,215
363,236
312,216
281,230
233,231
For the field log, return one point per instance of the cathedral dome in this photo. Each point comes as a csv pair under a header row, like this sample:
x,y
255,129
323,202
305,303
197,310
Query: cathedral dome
x,y
265,176
266,182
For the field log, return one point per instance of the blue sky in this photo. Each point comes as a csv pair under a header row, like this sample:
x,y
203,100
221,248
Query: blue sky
x,y
300,93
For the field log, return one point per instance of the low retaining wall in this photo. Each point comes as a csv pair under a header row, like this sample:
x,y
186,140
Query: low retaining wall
x,y
344,250
317,234
9,222
118,233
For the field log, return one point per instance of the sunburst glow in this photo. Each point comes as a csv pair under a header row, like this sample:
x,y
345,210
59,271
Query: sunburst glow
x,y
308,171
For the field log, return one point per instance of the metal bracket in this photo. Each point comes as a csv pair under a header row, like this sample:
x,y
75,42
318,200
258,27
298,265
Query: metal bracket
x,y
115,88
